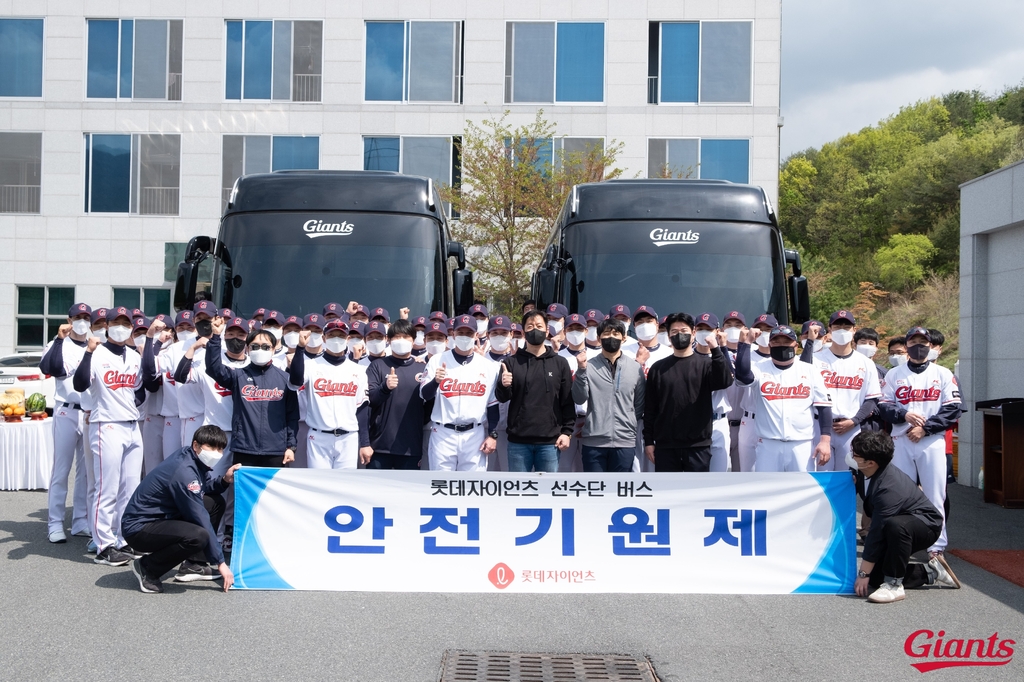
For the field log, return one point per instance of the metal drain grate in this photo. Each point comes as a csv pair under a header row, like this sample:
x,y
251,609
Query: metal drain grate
x,y
504,666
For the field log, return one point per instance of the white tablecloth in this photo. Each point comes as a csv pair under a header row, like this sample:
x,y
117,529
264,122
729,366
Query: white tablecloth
x,y
26,455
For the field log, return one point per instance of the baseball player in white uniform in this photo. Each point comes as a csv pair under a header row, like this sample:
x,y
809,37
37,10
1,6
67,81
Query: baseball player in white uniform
x,y
734,325
111,373
706,325
338,409
167,356
499,347
786,393
648,351
465,415
921,400
70,434
621,312
575,334
747,431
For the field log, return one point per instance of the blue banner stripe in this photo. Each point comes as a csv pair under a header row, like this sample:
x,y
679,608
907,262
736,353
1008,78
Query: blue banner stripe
x,y
836,569
248,562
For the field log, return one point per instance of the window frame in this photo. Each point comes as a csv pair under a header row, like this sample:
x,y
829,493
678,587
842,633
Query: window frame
x,y
42,72
459,63
700,153
291,61
44,317
134,174
133,98
42,170
142,296
700,44
509,52
452,181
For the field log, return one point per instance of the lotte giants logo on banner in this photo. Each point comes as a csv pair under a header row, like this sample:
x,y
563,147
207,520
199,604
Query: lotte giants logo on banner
x,y
955,652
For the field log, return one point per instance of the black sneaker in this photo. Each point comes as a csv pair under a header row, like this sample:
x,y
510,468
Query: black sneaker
x,y
146,584
190,572
130,551
111,557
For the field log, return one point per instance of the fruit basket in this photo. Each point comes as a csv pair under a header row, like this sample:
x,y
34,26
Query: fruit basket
x,y
35,406
12,404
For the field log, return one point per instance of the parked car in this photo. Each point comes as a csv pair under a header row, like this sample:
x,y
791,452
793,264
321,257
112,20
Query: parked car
x,y
21,370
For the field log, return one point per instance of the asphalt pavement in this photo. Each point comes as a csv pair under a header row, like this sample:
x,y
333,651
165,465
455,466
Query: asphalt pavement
x,y
63,617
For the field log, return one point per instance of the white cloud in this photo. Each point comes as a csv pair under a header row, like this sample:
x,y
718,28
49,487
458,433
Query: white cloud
x,y
820,117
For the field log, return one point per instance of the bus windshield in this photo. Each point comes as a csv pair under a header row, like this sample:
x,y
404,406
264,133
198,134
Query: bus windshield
x,y
297,262
691,267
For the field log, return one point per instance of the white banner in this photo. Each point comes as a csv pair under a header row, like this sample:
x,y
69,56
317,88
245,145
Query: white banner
x,y
412,531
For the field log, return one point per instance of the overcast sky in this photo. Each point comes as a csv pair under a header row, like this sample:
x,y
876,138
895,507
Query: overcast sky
x,y
846,64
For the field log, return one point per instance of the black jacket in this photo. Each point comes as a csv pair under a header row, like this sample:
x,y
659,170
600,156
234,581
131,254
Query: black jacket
x,y
540,397
396,417
892,493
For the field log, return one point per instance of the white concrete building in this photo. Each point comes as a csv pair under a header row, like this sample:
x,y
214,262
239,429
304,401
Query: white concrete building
x,y
121,124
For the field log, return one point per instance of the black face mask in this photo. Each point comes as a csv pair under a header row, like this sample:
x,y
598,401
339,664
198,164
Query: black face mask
x,y
680,341
918,353
234,346
782,353
611,344
536,337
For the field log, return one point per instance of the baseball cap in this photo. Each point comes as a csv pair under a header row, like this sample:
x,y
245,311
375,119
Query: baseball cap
x,y
166,319
360,308
381,312
205,307
557,311
184,317
661,320
120,311
620,310
499,322
78,309
710,319
516,327
419,321
478,309
807,326
376,326
577,319
227,313
768,319
436,326
292,319
313,320
464,322
140,323
593,315
438,315
841,315
255,325
136,312
645,310
259,312
336,324
356,327
273,316
918,331
333,309
782,330
99,314
238,323
735,315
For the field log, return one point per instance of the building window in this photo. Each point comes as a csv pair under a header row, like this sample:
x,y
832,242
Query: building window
x,y
709,159
707,62
21,57
20,161
430,157
132,174
149,301
41,310
554,62
248,154
174,253
280,60
414,61
134,58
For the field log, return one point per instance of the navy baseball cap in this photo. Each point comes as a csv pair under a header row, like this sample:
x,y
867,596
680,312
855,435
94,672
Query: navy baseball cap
x,y
593,315
645,310
557,311
376,326
620,310
273,316
333,309
259,312
140,323
227,313
184,317
464,322
436,326
381,312
313,320
357,327
336,324
438,315
166,319
841,315
206,307
360,308
99,314
661,320
918,331
710,319
79,309
499,322
121,311
782,330
237,323
516,327
735,315
255,325
478,309
807,326
768,319
292,319
575,319
419,321
136,312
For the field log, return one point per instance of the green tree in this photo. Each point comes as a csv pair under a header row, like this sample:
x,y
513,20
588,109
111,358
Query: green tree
x,y
901,264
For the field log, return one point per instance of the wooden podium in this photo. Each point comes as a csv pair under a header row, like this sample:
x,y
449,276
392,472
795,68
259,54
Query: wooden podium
x,y
1003,450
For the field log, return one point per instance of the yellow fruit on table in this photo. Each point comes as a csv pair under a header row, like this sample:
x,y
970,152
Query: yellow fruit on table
x,y
8,411
19,411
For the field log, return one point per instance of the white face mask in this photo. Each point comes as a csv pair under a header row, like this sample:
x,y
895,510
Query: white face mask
x,y
663,339
851,462
516,343
435,347
261,357
701,336
210,457
418,341
100,334
555,326
499,343
315,339
816,345
187,335
278,332
401,346
481,327
376,346
336,344
464,343
592,334
291,339
119,333
842,337
732,334
933,355
762,340
575,338
450,343
866,350
355,345
81,327
645,331
625,323
897,360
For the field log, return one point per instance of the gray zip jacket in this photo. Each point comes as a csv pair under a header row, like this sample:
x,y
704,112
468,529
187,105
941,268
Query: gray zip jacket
x,y
615,401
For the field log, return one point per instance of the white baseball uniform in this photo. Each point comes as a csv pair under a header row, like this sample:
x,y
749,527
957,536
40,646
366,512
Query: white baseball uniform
x,y
734,394
461,401
850,381
69,445
334,392
153,431
747,431
925,393
167,360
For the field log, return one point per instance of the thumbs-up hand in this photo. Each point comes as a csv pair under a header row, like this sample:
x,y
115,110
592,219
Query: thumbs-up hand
x,y
441,373
392,380
506,376
581,360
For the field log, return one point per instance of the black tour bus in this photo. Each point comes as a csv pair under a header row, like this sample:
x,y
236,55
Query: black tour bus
x,y
295,240
676,245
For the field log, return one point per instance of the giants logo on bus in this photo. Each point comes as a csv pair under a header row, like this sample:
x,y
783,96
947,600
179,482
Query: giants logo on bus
x,y
907,395
318,228
256,394
660,236
115,380
772,390
329,389
450,388
834,380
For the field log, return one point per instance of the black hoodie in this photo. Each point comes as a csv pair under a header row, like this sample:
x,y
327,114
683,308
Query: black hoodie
x,y
540,397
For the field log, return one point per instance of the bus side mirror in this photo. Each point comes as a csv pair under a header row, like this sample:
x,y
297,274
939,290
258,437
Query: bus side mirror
x,y
544,288
197,246
462,289
793,258
185,285
799,299
456,249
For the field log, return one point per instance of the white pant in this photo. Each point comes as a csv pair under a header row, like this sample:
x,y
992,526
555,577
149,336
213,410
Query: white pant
x,y
720,441
153,441
171,436
840,445
747,446
69,446
327,451
452,450
571,459
189,426
926,461
117,466
784,455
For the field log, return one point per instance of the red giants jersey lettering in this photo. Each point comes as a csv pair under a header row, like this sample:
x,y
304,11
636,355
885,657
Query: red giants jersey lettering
x,y
169,377
835,380
772,390
115,380
220,390
906,394
256,394
450,388
325,388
